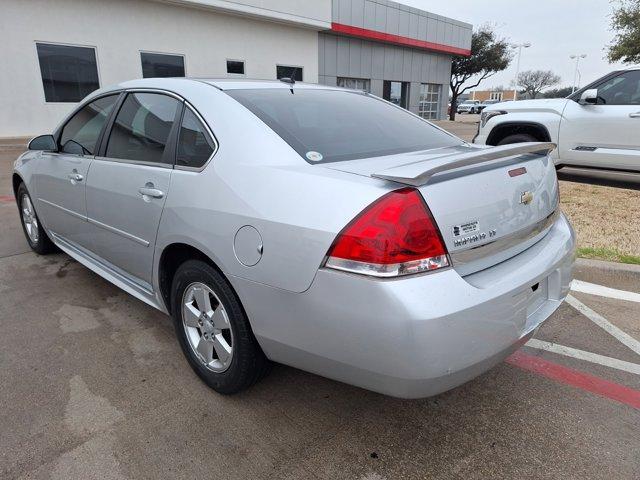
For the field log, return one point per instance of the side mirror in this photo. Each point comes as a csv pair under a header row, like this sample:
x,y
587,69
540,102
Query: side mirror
x,y
589,97
45,143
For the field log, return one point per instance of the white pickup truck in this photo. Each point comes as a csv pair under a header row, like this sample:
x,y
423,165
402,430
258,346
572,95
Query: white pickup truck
x,y
597,126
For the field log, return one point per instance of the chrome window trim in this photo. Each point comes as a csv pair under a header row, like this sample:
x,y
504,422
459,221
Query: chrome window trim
x,y
135,162
469,255
74,155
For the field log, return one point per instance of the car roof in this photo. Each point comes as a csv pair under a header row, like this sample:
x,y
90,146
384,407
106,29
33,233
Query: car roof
x,y
249,83
219,83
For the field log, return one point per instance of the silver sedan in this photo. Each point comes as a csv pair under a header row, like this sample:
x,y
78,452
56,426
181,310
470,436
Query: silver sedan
x,y
314,226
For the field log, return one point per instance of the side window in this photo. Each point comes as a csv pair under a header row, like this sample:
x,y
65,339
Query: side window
x,y
623,89
80,134
142,126
194,145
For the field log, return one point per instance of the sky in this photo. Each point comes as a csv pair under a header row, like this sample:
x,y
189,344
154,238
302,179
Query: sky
x,y
556,29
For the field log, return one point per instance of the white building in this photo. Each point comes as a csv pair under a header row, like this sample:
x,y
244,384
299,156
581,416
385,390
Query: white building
x,y
56,52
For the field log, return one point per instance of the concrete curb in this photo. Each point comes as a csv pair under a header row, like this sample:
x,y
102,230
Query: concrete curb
x,y
609,267
11,143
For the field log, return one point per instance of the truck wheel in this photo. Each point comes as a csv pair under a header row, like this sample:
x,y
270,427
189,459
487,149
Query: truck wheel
x,y
517,138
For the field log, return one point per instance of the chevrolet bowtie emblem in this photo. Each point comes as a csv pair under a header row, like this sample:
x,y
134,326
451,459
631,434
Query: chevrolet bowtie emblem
x,y
526,198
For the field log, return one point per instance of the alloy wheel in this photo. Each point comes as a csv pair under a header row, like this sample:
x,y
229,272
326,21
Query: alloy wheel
x,y
29,219
207,328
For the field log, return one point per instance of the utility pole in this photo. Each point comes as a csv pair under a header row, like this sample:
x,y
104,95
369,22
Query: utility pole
x,y
519,46
575,75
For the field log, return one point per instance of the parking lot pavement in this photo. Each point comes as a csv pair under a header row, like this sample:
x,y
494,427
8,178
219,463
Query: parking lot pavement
x,y
94,386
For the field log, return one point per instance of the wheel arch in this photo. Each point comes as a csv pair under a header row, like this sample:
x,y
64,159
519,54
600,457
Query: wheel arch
x,y
175,254
16,180
536,130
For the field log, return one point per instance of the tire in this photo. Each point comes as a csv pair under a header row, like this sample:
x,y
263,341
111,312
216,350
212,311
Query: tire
x,y
205,332
35,234
517,138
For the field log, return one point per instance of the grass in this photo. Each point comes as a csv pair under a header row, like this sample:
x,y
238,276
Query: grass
x,y
606,221
608,254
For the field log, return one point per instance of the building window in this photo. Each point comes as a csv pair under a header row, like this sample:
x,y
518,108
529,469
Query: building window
x,y
235,67
396,93
495,96
159,65
68,73
355,84
284,71
429,106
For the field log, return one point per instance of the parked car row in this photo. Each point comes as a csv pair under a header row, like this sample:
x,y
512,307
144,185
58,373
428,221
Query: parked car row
x,y
474,106
597,126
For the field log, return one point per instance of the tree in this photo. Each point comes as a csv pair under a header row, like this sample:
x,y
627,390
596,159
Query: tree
x,y
489,55
562,92
534,81
625,21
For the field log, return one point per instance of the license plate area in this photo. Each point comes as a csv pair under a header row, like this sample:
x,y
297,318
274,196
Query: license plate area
x,y
538,296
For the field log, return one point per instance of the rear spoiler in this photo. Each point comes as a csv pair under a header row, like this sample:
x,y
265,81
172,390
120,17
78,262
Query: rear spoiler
x,y
419,173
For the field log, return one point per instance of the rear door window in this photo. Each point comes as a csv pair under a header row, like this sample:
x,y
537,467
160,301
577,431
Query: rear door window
x,y
194,145
325,125
80,134
141,129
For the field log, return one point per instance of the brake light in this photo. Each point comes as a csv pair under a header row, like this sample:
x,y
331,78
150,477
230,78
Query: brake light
x,y
396,235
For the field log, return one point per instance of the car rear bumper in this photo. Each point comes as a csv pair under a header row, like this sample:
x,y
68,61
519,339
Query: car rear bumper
x,y
417,336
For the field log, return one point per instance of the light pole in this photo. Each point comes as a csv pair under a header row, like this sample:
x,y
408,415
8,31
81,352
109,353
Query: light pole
x,y
575,75
519,46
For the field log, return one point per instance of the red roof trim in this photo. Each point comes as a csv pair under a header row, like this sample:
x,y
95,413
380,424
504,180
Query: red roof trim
x,y
397,39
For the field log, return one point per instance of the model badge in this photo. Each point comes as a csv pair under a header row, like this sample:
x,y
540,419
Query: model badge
x,y
526,198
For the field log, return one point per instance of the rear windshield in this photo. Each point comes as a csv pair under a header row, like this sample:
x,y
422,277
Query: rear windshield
x,y
333,125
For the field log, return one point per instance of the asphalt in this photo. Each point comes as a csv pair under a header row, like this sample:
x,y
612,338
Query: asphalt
x,y
94,386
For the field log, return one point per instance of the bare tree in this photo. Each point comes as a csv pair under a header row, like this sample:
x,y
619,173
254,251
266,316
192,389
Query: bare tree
x,y
534,81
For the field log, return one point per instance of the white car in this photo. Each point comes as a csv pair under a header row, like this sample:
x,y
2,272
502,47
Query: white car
x,y
469,106
597,126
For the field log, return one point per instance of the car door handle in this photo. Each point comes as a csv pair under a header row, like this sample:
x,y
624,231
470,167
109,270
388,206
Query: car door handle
x,y
151,192
75,177
635,115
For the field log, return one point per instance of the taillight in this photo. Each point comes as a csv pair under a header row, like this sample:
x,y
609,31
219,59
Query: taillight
x,y
396,235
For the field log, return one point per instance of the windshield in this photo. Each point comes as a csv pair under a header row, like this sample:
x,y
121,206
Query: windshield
x,y
334,125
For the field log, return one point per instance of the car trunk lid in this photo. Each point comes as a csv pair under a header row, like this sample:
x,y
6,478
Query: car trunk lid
x,y
489,203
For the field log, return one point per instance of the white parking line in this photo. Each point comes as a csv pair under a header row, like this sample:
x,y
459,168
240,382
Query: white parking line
x,y
603,323
582,355
602,291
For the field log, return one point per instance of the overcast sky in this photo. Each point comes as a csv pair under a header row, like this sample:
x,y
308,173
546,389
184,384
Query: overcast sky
x,y
555,29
